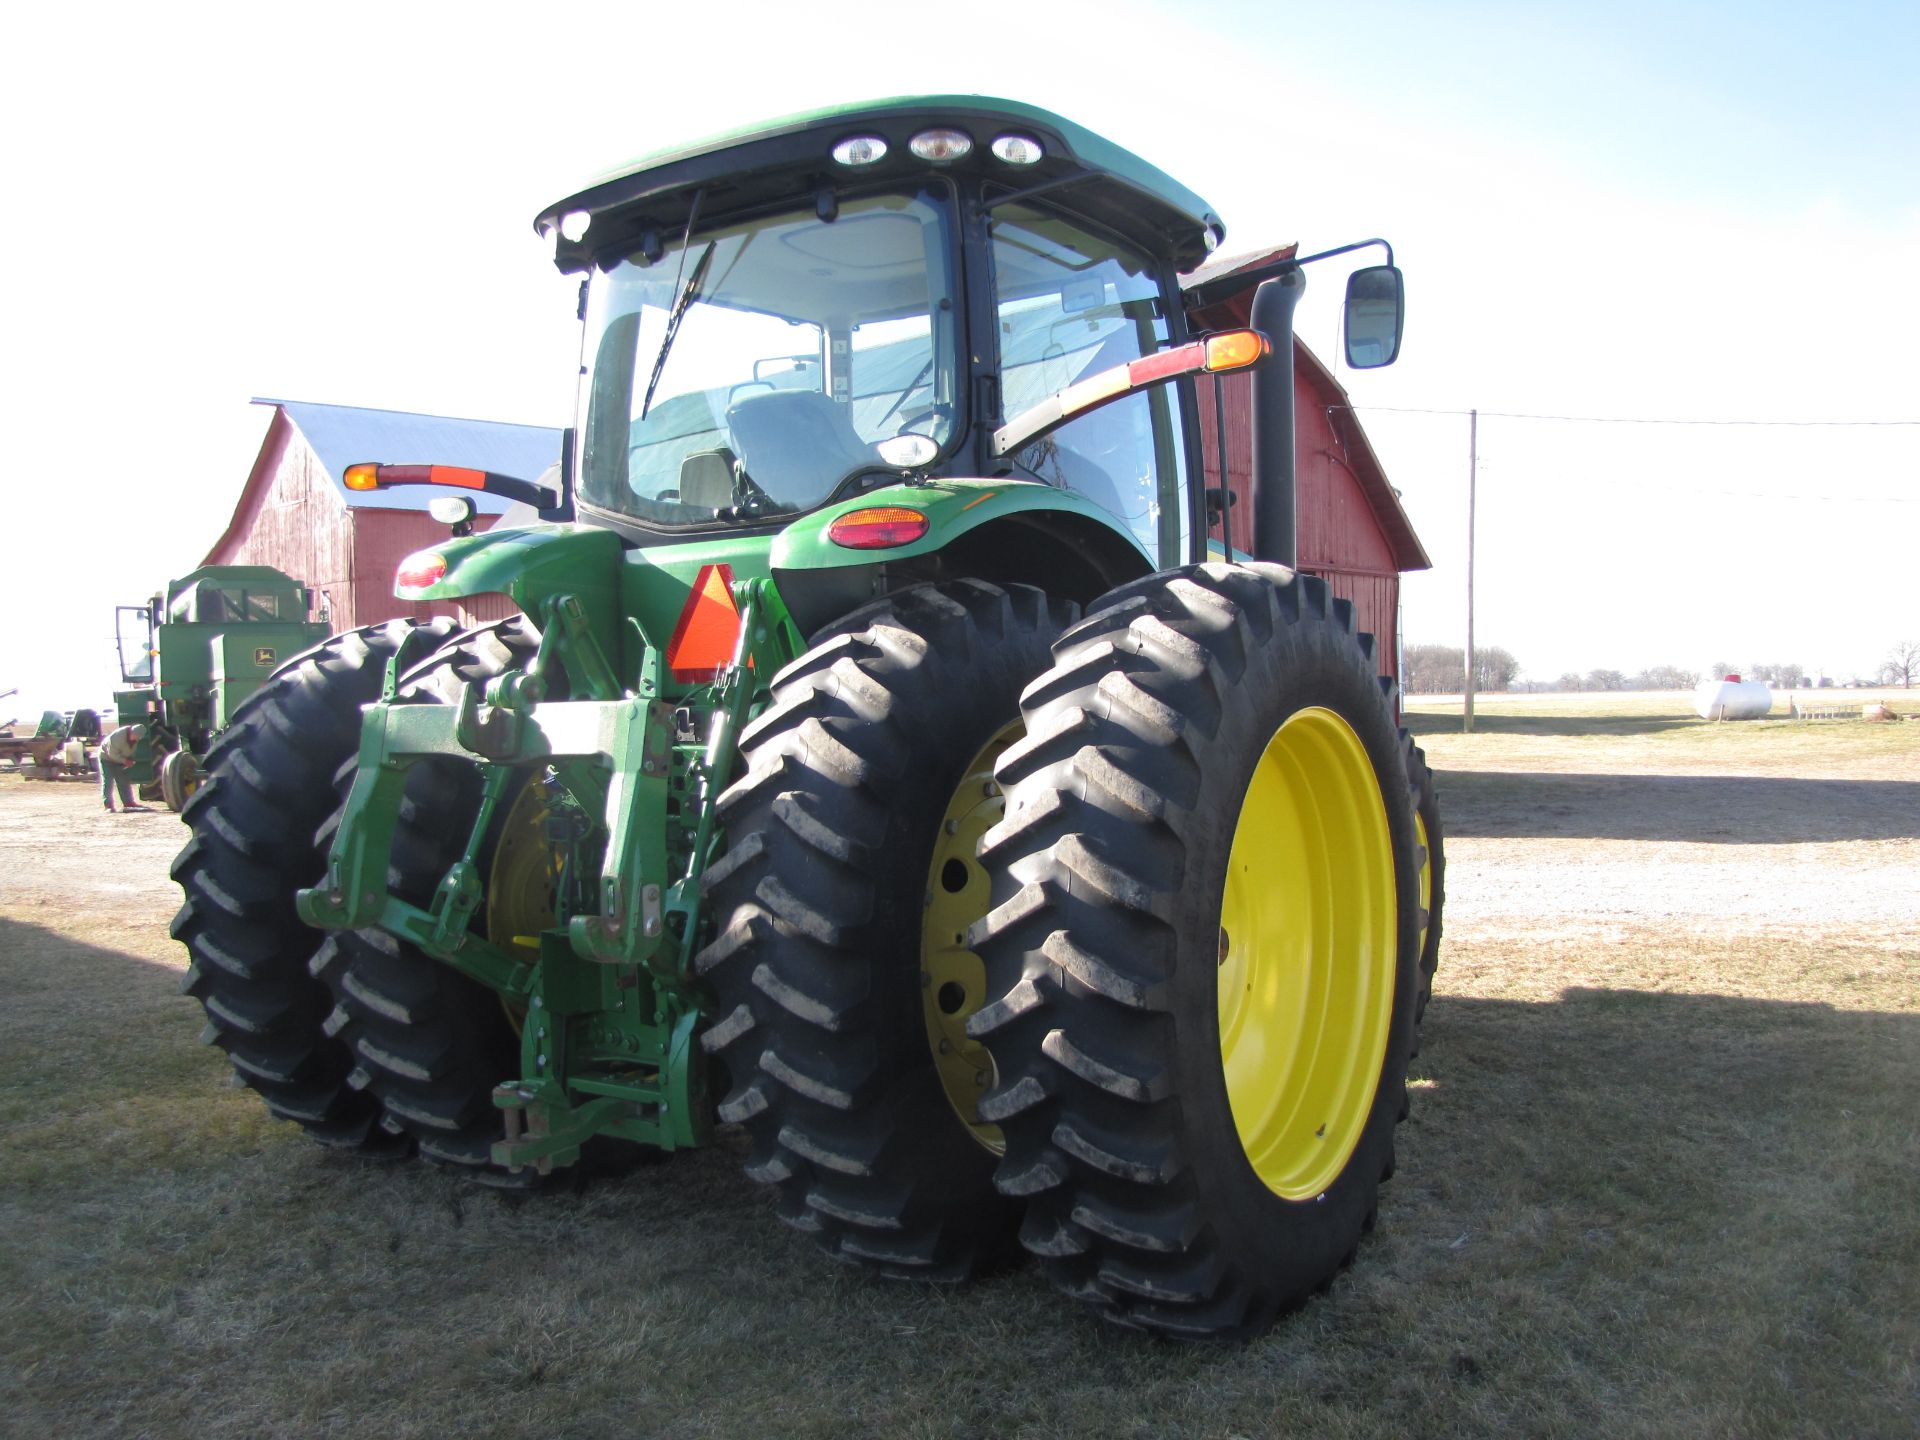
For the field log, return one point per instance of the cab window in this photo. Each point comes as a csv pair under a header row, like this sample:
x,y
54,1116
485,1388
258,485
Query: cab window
x,y
760,369
1070,304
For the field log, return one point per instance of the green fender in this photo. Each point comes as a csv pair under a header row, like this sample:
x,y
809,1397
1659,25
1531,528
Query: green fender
x,y
530,565
953,508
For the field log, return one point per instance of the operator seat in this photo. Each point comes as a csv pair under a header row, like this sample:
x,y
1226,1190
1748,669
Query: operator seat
x,y
706,479
796,444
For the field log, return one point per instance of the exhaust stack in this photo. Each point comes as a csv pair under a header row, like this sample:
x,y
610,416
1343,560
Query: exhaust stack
x,y
1275,528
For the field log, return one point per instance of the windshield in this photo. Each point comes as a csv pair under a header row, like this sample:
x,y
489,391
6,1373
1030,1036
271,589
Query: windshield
x,y
215,604
770,363
136,659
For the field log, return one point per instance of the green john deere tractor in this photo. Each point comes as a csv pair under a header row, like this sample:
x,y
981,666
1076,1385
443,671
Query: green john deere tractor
x,y
194,654
883,763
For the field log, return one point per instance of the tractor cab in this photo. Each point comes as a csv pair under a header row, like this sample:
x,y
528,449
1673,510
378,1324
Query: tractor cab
x,y
789,316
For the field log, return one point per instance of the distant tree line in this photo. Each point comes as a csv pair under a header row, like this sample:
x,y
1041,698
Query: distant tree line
x,y
1656,677
1781,677
1675,677
1902,664
1442,669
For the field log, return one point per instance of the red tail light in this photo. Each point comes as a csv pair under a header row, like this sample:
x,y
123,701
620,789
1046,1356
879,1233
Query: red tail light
x,y
419,571
878,529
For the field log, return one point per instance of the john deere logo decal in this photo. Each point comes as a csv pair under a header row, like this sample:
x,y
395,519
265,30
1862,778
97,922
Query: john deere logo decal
x,y
263,655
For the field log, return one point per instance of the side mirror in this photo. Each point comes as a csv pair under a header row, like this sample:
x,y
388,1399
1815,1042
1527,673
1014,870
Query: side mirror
x,y
1376,311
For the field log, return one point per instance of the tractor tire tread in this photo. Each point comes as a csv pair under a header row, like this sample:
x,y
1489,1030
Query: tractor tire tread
x,y
820,1009
429,1042
253,825
1106,799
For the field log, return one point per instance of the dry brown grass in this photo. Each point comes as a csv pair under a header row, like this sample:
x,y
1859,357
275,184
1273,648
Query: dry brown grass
x,y
1657,732
1658,1181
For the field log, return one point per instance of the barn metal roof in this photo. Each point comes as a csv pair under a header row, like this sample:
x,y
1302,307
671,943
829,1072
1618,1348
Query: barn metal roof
x,y
343,435
1223,305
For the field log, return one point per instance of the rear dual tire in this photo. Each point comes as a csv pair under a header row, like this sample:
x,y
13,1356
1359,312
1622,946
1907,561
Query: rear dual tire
x,y
427,1042
1180,757
842,979
1430,838
254,842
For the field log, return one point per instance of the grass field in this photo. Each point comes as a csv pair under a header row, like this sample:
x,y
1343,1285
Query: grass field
x,y
1659,1177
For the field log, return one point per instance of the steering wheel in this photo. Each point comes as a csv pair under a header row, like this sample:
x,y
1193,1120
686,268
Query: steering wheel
x,y
748,497
919,422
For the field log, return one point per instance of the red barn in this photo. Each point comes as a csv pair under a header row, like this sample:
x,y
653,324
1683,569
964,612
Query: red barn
x,y
1351,528
296,514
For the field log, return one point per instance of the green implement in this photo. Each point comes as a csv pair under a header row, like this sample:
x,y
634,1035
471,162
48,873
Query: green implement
x,y
192,655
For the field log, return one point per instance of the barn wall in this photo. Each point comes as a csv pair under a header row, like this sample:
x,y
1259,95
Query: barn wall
x,y
382,539
1376,612
1339,537
1337,528
292,517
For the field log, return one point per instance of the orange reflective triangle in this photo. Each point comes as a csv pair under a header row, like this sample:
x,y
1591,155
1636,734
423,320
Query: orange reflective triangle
x,y
708,630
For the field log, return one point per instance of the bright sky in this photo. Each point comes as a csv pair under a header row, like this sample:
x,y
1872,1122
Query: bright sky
x,y
1677,211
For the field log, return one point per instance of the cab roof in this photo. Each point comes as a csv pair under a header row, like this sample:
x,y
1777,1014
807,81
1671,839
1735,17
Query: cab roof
x,y
787,157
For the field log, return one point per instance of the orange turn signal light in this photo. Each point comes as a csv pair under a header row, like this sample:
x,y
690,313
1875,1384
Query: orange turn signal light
x,y
878,528
1235,350
369,476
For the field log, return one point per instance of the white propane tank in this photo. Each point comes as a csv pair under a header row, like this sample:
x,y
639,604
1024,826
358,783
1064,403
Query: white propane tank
x,y
1733,699
73,754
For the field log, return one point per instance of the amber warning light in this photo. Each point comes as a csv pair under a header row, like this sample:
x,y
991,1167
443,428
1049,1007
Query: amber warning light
x,y
366,476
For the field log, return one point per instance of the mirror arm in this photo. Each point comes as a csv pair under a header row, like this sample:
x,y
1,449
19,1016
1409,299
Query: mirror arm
x,y
1347,250
1207,293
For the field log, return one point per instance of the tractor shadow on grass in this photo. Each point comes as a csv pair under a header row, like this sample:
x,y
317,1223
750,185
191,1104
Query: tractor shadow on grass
x,y
1723,1182
1662,1159
1725,810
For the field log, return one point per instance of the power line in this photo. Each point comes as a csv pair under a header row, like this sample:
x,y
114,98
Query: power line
x,y
1682,490
1636,419
1666,489
1814,499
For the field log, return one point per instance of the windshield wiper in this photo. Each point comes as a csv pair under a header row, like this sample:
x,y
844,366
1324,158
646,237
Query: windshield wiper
x,y
680,304
901,398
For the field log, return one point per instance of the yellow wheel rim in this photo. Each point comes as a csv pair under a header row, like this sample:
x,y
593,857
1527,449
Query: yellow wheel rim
x,y
953,981
1307,954
523,882
1426,881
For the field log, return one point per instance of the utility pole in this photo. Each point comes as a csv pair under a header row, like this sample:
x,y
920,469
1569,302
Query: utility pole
x,y
1473,485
